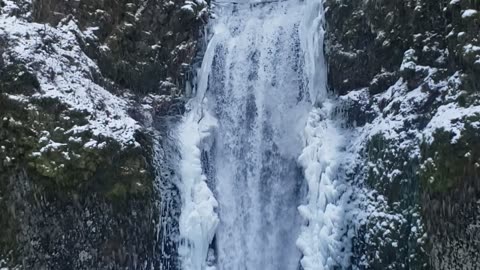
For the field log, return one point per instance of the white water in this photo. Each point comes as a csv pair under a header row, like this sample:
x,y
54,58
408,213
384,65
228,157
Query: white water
x,y
260,104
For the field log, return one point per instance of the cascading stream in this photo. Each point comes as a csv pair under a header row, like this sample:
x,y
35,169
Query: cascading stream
x,y
262,74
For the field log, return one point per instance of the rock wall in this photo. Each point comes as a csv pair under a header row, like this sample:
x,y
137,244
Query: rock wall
x,y
83,86
407,76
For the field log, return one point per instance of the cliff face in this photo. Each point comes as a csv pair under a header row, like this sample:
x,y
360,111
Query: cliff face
x,y
81,85
407,75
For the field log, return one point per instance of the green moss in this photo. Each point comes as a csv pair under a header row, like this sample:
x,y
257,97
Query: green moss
x,y
35,142
37,139
118,192
448,165
391,171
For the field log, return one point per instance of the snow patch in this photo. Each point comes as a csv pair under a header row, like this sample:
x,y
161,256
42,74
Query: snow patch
x,y
469,13
66,73
450,117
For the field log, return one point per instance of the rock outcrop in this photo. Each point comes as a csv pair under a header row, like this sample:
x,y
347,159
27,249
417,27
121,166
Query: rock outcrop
x,y
142,45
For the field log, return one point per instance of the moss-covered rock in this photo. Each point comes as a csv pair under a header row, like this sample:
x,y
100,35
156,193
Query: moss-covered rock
x,y
41,137
393,235
451,190
74,197
446,165
56,175
410,58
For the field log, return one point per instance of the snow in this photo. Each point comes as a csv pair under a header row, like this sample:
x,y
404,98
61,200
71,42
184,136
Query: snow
x,y
391,123
140,10
409,59
401,104
444,119
90,144
470,48
52,146
11,7
469,13
188,8
65,72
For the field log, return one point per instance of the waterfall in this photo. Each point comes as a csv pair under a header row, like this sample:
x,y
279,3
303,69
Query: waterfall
x,y
258,141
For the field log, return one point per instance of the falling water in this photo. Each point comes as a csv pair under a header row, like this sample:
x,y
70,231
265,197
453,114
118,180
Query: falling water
x,y
262,81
